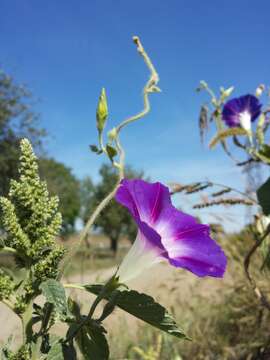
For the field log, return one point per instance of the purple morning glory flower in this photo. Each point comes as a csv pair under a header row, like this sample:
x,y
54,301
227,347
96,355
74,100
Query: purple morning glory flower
x,y
241,111
165,233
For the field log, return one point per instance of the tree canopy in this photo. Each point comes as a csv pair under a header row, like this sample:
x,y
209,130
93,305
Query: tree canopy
x,y
17,120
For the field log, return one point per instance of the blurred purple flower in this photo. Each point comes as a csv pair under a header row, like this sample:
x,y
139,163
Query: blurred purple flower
x,y
165,233
241,111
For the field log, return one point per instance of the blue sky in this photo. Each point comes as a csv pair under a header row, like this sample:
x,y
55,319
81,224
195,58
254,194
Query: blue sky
x,y
66,51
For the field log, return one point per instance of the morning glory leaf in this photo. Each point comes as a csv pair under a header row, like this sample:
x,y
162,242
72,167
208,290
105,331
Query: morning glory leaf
x,y
95,149
111,151
143,307
264,153
60,351
263,195
92,342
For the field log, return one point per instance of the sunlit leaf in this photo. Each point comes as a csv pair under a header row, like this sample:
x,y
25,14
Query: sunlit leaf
x,y
54,293
143,307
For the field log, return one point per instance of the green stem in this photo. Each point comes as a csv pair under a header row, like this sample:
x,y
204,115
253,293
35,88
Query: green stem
x,y
9,249
74,286
151,86
87,228
27,323
107,289
151,83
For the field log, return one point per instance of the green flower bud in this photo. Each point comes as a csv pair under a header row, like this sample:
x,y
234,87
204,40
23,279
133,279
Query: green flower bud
x,y
112,134
203,84
225,93
102,111
260,89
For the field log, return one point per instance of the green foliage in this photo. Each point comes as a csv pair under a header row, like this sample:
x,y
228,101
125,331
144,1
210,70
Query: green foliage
x,y
90,338
263,195
6,285
16,121
264,153
115,220
60,351
92,342
55,294
63,183
31,221
143,307
111,151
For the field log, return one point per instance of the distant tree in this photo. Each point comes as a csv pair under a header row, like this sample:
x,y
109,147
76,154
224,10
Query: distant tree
x,y
63,183
16,121
114,220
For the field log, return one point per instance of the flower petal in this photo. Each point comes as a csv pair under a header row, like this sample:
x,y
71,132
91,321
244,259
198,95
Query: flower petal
x,y
144,200
189,244
198,253
166,232
139,258
233,108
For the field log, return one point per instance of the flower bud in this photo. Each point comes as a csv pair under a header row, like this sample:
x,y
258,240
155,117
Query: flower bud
x,y
112,134
226,92
203,84
102,111
260,89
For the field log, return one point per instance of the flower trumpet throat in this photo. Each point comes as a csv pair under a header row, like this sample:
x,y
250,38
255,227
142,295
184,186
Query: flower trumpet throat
x,y
242,111
165,233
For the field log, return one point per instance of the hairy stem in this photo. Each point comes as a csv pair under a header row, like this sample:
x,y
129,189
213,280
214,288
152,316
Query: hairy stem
x,y
87,228
74,286
27,323
111,285
151,86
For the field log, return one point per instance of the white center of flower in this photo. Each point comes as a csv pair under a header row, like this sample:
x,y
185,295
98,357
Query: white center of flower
x,y
245,120
139,258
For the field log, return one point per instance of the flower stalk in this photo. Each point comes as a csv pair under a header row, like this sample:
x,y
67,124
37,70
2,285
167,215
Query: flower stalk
x,y
150,87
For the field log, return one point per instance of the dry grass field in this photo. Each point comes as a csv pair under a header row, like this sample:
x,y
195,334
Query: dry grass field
x,y
171,287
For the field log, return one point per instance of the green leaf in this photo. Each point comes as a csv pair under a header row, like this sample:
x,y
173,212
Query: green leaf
x,y
111,151
263,195
74,308
61,351
56,352
224,134
92,342
143,307
95,149
55,294
264,153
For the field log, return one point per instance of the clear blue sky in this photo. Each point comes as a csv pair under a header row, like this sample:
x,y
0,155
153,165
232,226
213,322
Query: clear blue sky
x,y
66,51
